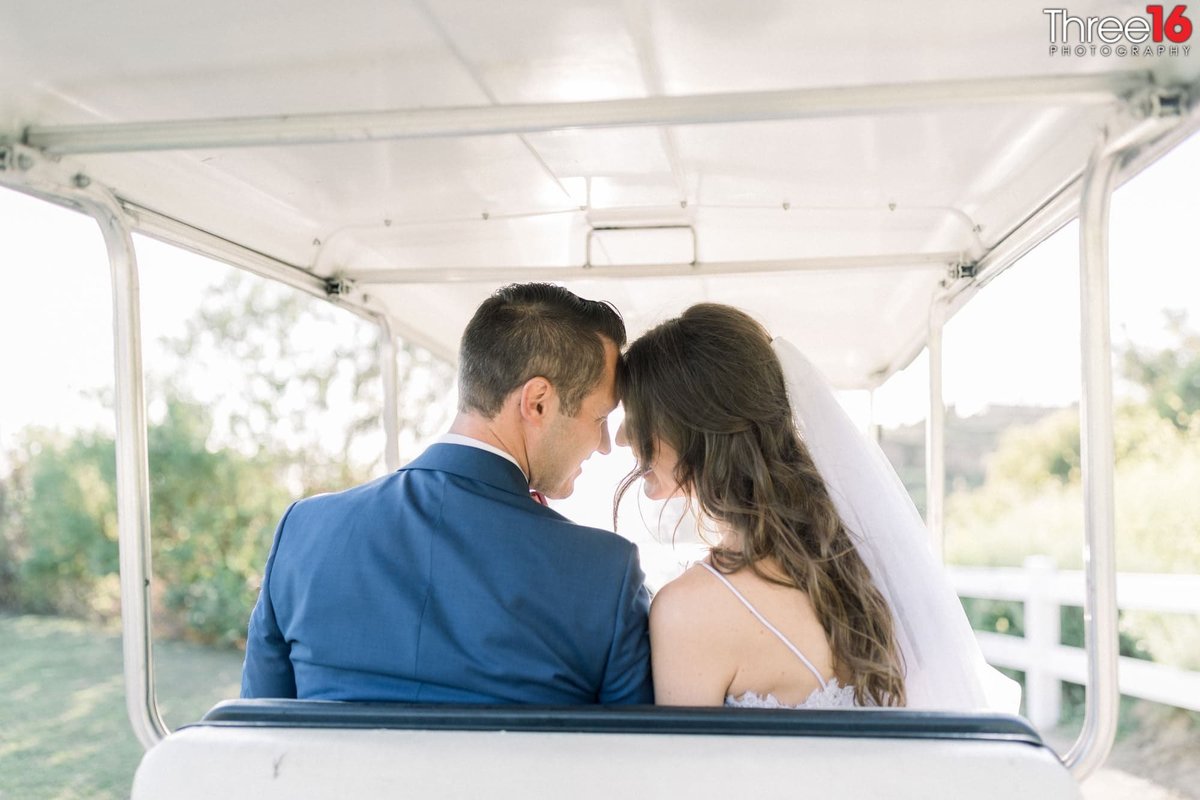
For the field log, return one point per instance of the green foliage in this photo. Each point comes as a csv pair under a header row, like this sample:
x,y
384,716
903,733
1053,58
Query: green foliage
x,y
213,515
1170,376
8,548
995,616
274,394
1166,638
300,380
1129,643
1008,618
1014,514
212,518
1029,457
1032,503
1157,530
1047,453
62,528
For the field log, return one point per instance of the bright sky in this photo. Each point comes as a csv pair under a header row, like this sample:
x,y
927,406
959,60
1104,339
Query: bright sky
x,y
1016,343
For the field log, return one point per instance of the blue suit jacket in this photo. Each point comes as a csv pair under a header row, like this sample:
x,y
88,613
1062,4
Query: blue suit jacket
x,y
445,582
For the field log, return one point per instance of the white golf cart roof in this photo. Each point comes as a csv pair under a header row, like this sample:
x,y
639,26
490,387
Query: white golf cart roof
x,y
834,168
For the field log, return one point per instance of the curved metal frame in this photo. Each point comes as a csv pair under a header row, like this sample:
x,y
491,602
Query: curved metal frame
x,y
37,177
25,170
1096,442
133,472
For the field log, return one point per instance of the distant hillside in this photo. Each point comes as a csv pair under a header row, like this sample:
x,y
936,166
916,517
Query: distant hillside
x,y
969,441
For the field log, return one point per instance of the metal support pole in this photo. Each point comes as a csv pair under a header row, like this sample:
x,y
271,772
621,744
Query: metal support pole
x,y
1096,440
391,390
133,478
45,179
935,430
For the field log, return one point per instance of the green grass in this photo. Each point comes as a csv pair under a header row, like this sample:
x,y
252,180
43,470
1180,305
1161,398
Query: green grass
x,y
64,733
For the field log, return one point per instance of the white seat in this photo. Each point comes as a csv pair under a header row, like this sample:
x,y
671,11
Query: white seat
x,y
278,749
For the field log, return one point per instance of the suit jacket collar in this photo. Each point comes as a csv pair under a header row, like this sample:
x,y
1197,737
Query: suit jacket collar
x,y
474,464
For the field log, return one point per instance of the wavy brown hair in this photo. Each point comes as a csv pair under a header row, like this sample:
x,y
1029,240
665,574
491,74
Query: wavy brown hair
x,y
709,384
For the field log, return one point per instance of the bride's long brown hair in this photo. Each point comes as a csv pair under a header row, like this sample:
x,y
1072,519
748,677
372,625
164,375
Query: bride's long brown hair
x,y
709,384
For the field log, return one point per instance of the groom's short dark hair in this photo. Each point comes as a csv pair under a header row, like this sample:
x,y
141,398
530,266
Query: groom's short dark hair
x,y
526,330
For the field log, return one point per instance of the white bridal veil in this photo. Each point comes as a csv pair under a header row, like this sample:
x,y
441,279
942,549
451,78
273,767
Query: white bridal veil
x,y
945,668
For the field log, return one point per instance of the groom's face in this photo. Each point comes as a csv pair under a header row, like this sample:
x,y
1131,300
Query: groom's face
x,y
570,440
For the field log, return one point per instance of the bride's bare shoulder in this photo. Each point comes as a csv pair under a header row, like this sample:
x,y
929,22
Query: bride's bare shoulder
x,y
689,600
695,578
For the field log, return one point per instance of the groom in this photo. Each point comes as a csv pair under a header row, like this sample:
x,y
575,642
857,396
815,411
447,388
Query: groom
x,y
447,581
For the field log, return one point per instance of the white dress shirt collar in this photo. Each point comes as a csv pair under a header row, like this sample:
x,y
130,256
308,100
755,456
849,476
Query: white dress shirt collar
x,y
467,441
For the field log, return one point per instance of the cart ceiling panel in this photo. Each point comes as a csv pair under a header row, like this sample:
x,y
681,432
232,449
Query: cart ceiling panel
x,y
943,182
807,189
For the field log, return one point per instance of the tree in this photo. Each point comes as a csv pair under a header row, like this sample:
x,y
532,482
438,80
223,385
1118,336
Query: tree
x,y
62,529
295,377
1031,501
213,513
271,395
1170,377
1048,451
212,516
9,553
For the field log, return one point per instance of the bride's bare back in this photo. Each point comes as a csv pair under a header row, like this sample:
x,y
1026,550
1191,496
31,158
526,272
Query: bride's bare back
x,y
706,645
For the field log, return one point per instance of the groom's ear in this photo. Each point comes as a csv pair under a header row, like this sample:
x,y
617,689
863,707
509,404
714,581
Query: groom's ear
x,y
534,399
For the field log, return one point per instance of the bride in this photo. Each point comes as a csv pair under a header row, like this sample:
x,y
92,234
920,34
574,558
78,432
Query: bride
x,y
821,590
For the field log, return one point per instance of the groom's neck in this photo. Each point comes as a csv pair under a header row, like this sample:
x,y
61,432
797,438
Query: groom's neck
x,y
497,431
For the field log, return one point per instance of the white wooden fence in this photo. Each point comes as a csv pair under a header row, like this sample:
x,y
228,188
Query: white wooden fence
x,y
1046,662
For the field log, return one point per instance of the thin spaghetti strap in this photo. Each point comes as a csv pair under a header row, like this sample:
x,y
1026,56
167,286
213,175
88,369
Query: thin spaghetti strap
x,y
795,650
